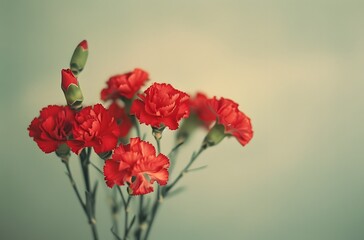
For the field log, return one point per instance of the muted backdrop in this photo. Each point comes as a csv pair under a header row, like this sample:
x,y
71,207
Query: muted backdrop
x,y
295,67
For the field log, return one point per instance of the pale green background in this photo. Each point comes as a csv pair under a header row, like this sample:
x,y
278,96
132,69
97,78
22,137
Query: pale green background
x,y
295,67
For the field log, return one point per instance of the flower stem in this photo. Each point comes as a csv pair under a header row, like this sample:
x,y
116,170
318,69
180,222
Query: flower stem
x,y
185,170
154,213
162,193
90,196
172,157
141,218
126,226
136,125
126,203
114,213
74,186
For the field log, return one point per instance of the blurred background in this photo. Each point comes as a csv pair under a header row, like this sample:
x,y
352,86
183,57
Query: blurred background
x,y
295,67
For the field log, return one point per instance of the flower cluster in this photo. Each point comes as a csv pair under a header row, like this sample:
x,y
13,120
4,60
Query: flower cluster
x,y
107,130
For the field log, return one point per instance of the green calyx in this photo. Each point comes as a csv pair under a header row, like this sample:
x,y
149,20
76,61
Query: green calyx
x,y
74,96
215,135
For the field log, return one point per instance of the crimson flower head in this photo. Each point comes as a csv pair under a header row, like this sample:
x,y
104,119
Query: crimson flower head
x,y
235,123
94,127
161,105
124,85
122,119
137,165
52,128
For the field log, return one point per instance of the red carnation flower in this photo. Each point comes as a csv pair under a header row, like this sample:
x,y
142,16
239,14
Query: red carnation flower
x,y
122,119
94,127
137,165
124,85
160,105
52,128
235,122
199,106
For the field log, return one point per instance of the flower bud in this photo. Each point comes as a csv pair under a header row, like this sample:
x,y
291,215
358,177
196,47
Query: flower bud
x,y
157,131
71,89
79,57
214,136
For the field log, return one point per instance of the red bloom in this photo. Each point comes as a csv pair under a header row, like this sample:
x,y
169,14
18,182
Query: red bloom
x,y
161,104
137,165
122,119
199,106
52,128
124,85
235,122
94,127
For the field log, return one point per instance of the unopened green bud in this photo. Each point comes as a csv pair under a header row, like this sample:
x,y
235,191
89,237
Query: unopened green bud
x,y
79,57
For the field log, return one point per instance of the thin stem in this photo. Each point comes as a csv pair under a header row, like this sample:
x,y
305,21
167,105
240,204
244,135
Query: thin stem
x,y
90,198
141,218
159,196
154,213
172,157
85,160
136,125
126,227
114,214
96,168
126,210
164,192
158,141
130,225
185,170
74,186
121,195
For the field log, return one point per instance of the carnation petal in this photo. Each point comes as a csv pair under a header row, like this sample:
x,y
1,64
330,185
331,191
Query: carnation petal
x,y
112,174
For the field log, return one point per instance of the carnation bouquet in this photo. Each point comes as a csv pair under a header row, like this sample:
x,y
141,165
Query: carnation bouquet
x,y
135,170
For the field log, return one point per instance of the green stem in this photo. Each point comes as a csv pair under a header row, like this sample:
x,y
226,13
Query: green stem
x,y
126,226
114,213
185,170
136,125
74,186
154,213
141,218
164,192
90,199
172,157
159,196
